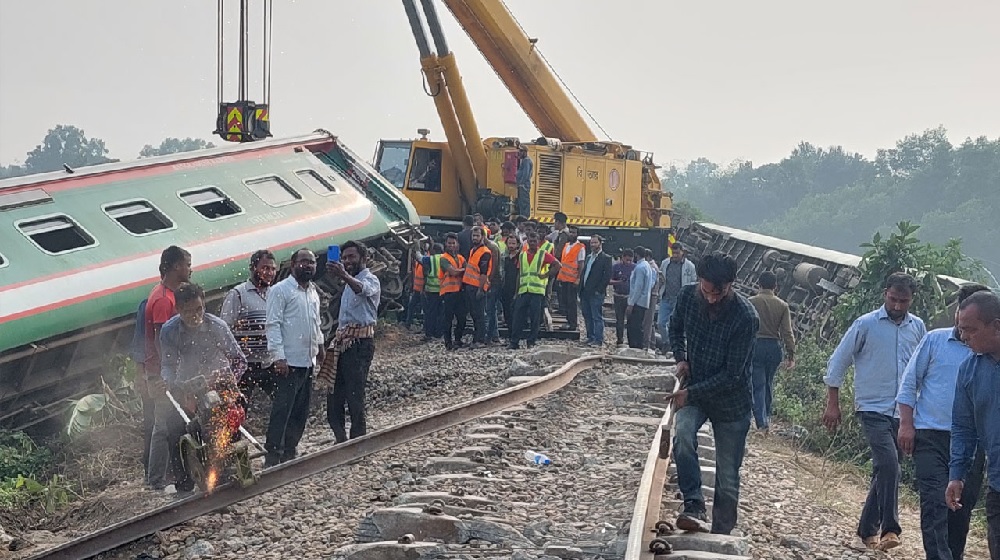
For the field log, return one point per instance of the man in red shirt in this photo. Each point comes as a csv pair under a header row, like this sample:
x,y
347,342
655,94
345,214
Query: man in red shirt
x,y
175,269
530,297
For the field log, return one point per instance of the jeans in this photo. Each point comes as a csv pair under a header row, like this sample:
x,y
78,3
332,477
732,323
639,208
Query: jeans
x,y
647,324
164,454
349,389
766,359
289,412
492,311
730,446
148,416
662,320
621,304
527,309
593,315
880,514
477,309
636,336
453,310
944,531
433,316
567,302
993,522
413,308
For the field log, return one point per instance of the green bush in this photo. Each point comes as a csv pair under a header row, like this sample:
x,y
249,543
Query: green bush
x,y
19,456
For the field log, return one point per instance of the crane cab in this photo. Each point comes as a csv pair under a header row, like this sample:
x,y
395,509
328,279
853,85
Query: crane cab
x,y
424,171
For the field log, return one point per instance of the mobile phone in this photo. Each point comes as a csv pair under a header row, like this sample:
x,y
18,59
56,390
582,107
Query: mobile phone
x,y
333,253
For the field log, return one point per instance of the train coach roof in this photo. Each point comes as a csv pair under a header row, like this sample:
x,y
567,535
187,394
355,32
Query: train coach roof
x,y
845,259
40,179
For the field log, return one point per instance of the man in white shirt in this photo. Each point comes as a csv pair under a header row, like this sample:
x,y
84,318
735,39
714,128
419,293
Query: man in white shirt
x,y
295,342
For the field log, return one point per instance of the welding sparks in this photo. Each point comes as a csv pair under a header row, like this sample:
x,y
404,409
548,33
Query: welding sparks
x,y
225,421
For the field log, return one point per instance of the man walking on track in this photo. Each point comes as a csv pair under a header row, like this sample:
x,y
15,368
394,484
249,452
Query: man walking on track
x,y
712,332
775,330
879,345
975,412
593,290
925,398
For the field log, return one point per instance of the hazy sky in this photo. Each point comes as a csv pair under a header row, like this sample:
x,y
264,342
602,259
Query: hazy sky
x,y
725,79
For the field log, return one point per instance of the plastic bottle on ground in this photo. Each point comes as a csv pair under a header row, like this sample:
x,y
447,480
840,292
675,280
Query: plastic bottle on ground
x,y
537,458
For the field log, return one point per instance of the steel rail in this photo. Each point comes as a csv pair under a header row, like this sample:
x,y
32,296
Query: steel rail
x,y
646,513
178,512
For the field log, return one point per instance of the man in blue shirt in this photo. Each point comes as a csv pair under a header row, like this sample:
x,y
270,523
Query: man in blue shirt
x,y
525,171
925,399
975,416
879,345
353,346
640,290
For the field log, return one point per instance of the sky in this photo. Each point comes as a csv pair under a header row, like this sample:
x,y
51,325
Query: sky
x,y
684,79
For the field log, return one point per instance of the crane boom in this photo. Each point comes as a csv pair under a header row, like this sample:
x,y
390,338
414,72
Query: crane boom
x,y
519,65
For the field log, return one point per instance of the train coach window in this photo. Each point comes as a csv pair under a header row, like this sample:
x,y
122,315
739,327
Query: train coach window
x,y
3,261
273,190
138,217
211,203
316,183
56,234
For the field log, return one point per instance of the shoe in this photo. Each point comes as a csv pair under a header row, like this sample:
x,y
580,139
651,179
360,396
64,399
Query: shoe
x,y
871,543
889,541
513,346
693,518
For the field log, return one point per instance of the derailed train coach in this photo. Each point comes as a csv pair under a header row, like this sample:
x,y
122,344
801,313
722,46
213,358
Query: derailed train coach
x,y
811,279
80,248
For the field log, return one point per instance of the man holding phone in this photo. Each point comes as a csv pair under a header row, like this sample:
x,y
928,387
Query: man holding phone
x,y
712,332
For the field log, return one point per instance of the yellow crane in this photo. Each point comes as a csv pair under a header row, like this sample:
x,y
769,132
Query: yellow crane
x,y
601,185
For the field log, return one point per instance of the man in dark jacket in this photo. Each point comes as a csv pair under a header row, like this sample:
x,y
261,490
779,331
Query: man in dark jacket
x,y
593,290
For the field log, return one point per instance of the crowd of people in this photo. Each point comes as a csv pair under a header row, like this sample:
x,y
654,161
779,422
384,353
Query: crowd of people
x,y
932,395
268,335
523,271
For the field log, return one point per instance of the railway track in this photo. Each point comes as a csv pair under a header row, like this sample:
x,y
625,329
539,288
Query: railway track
x,y
562,413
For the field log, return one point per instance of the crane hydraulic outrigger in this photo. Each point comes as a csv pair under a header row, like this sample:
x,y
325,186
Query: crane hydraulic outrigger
x,y
603,186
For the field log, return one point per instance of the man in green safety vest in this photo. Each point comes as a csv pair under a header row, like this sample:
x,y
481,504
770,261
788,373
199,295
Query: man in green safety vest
x,y
432,293
531,284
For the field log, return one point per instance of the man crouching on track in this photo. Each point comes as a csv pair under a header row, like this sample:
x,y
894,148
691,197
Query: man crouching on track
x,y
712,332
193,343
295,341
353,347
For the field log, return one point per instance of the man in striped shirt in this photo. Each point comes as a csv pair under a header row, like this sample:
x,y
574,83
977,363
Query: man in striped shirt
x,y
245,311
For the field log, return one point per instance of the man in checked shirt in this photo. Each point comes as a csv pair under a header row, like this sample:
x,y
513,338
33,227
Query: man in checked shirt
x,y
712,332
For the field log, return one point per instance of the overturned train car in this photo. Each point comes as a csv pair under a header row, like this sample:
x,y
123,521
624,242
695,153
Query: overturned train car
x,y
810,279
81,248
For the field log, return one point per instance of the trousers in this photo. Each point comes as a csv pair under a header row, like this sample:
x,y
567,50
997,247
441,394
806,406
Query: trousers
x,y
730,447
349,390
289,412
880,514
766,359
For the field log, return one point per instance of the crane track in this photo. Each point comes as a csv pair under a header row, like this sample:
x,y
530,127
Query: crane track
x,y
177,512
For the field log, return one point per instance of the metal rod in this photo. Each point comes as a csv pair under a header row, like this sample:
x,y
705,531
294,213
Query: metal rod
x,y
243,50
434,24
417,27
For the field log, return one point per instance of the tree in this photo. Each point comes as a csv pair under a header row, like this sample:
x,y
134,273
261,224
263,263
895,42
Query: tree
x,y
174,146
65,145
901,251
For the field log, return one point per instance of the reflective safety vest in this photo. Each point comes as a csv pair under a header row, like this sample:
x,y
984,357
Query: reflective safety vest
x,y
433,282
418,277
531,274
450,283
501,244
472,275
546,247
570,271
